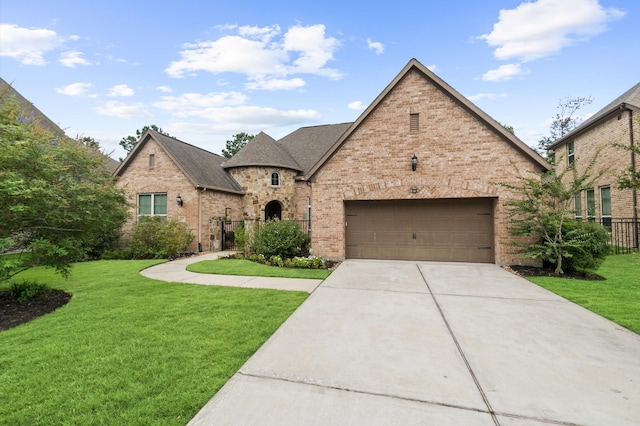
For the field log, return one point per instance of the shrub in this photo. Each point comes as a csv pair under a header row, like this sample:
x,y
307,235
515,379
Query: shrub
x,y
588,245
156,238
314,262
26,290
279,237
241,238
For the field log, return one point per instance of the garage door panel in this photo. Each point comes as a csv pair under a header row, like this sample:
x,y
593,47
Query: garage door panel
x,y
439,230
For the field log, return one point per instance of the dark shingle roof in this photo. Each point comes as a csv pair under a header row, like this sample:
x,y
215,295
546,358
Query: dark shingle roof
x,y
263,150
308,144
201,167
629,99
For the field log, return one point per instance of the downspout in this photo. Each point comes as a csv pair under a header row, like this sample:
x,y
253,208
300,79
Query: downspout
x,y
634,191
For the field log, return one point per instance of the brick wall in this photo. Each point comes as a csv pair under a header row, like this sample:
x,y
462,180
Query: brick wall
x,y
166,177
458,157
610,160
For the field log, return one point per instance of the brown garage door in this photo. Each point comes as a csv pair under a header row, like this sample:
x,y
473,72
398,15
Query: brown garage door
x,y
458,230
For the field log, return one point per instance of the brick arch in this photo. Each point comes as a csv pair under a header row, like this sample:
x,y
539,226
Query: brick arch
x,y
424,187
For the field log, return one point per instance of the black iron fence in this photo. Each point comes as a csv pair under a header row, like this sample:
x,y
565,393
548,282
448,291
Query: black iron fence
x,y
230,228
625,234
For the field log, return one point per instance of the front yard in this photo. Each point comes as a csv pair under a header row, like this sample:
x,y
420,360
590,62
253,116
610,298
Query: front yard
x,y
130,350
616,298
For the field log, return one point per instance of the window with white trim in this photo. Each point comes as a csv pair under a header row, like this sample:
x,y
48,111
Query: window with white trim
x,y
275,179
591,204
150,205
578,205
571,152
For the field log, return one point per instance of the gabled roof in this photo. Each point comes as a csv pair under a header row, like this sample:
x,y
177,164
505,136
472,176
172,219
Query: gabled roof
x,y
307,145
264,151
201,167
629,100
29,109
414,64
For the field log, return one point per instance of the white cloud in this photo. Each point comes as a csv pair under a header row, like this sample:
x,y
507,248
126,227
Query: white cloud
x,y
259,54
122,110
538,29
193,103
121,90
74,89
276,84
489,96
357,105
164,89
27,45
375,45
504,72
71,59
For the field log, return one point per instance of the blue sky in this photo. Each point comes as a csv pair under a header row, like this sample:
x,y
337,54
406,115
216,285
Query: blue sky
x,y
204,71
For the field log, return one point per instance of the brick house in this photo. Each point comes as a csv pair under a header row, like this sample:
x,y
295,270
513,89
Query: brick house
x,y
616,123
412,178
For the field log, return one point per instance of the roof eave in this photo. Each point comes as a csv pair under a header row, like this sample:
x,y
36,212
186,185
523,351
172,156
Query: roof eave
x,y
216,188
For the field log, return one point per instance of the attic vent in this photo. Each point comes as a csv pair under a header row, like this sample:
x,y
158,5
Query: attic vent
x,y
414,122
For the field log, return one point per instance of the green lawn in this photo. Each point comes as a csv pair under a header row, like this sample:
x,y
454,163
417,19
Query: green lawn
x,y
253,269
617,298
130,350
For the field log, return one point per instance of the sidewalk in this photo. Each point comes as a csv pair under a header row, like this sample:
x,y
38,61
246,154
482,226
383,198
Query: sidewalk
x,y
175,271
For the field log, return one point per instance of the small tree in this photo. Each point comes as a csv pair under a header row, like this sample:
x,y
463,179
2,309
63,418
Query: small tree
x,y
543,208
630,179
564,121
59,202
236,144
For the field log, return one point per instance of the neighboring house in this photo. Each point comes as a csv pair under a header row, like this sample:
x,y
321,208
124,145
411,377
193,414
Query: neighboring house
x,y
616,123
412,178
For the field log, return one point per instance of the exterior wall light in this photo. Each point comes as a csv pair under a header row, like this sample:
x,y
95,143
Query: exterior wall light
x,y
179,200
414,162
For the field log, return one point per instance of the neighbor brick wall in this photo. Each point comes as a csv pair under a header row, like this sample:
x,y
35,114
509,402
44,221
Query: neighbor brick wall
x,y
166,177
613,161
458,156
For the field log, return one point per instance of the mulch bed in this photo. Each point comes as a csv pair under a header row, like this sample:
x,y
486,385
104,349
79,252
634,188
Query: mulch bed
x,y
13,312
533,271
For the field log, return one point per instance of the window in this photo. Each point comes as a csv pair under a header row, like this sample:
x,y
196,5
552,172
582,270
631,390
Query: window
x,y
275,179
152,161
605,205
578,205
152,205
309,211
571,155
414,122
591,204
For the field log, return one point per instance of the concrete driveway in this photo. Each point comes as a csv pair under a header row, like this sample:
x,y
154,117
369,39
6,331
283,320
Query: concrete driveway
x,y
401,343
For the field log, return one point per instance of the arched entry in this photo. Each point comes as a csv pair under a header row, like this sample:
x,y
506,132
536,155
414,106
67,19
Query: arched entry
x,y
273,210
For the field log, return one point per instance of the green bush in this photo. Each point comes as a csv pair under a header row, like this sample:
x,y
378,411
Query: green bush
x,y
314,262
26,290
241,238
156,238
279,237
587,245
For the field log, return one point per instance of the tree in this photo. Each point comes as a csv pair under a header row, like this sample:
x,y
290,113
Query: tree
x,y
234,145
130,141
542,209
88,141
630,179
59,201
564,121
508,128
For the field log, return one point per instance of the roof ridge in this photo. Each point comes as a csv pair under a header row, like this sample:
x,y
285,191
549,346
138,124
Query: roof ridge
x,y
185,143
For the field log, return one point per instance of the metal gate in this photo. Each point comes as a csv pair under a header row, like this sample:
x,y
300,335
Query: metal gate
x,y
229,228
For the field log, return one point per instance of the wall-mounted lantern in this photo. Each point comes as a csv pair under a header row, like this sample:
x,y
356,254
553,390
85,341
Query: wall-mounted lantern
x,y
179,200
414,162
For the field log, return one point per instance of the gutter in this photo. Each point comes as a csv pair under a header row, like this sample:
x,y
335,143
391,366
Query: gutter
x,y
634,191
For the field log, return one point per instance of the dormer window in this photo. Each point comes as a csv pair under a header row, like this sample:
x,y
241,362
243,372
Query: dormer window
x,y
275,179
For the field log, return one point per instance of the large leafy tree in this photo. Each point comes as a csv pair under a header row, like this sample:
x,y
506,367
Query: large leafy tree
x,y
59,202
542,211
236,144
564,121
130,141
